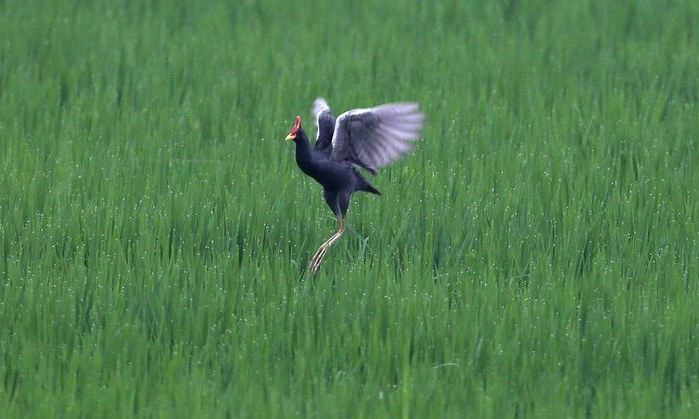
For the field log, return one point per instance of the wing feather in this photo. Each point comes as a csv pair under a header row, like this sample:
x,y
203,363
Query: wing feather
x,y
378,136
325,126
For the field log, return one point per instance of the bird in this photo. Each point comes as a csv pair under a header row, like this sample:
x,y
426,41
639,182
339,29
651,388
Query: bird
x,y
359,139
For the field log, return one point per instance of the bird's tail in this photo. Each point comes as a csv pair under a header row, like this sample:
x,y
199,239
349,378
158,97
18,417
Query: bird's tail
x,y
365,186
372,189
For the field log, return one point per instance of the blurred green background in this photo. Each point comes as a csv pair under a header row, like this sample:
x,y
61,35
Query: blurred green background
x,y
535,257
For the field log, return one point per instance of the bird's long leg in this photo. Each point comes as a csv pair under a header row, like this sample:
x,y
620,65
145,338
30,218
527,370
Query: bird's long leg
x,y
323,249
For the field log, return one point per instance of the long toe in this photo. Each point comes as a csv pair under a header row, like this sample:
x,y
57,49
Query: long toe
x,y
315,263
317,254
318,259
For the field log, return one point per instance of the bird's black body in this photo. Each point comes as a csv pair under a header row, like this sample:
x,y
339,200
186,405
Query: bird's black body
x,y
339,179
367,138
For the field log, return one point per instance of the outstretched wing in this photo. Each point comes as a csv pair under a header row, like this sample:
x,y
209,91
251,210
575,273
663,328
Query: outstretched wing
x,y
376,137
325,125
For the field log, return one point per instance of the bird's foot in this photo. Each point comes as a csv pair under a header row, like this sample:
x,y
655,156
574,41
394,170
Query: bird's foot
x,y
318,258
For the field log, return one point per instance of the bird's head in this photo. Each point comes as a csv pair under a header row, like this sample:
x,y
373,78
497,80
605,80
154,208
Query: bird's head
x,y
294,130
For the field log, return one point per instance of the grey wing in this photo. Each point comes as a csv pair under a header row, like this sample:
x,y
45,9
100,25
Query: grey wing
x,y
376,137
325,125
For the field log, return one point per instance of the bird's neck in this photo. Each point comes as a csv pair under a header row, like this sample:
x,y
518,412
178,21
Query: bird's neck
x,y
303,152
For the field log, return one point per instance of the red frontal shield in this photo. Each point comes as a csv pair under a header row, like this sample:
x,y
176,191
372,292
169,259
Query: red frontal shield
x,y
296,127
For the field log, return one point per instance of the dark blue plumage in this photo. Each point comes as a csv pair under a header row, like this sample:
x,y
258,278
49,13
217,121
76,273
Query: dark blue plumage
x,y
367,138
339,179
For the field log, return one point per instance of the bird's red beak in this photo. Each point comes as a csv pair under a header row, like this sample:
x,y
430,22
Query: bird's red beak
x,y
294,130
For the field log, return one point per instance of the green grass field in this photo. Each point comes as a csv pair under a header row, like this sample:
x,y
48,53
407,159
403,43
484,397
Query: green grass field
x,y
538,256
